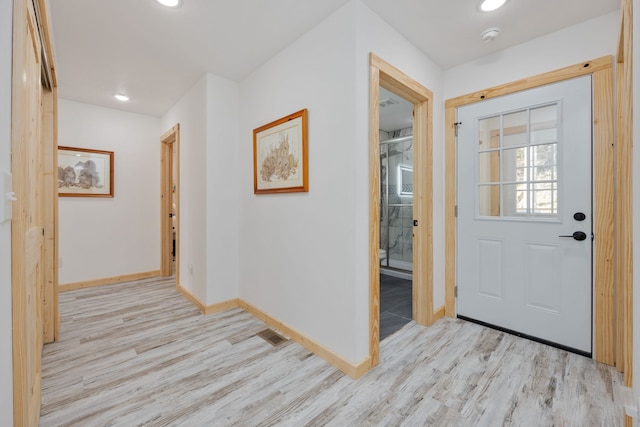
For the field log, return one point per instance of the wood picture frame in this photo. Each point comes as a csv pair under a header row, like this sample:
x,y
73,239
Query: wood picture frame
x,y
280,155
83,172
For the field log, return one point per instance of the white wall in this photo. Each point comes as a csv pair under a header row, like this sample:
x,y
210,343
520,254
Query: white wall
x,y
304,256
190,113
298,250
208,118
6,367
108,237
585,41
222,189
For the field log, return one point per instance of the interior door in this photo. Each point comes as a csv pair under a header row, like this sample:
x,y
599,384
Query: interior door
x,y
28,216
525,213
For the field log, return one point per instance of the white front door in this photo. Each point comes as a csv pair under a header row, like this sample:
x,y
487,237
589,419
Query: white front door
x,y
524,184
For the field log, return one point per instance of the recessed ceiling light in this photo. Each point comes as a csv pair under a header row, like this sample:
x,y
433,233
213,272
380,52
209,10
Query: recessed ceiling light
x,y
170,3
489,5
121,97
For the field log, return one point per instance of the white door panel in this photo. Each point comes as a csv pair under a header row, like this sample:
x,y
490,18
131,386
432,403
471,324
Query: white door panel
x,y
524,170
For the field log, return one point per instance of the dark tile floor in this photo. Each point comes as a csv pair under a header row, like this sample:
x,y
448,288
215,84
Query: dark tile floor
x,y
395,304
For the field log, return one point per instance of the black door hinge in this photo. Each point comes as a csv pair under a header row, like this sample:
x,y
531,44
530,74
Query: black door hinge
x,y
456,125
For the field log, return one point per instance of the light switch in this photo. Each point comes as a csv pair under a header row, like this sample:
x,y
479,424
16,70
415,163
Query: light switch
x,y
6,195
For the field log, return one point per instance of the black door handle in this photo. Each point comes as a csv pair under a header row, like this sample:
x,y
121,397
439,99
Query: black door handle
x,y
578,235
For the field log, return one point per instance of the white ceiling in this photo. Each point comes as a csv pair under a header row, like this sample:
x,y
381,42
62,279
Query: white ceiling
x,y
156,54
448,31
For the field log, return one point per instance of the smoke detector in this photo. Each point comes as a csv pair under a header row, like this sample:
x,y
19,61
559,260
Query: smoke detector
x,y
490,34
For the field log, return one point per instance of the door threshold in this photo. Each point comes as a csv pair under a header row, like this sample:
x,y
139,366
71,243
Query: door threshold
x,y
401,274
529,337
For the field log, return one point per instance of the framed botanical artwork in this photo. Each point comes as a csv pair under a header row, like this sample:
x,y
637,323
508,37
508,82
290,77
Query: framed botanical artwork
x,y
280,155
85,173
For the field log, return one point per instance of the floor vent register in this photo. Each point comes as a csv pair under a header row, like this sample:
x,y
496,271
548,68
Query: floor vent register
x,y
272,337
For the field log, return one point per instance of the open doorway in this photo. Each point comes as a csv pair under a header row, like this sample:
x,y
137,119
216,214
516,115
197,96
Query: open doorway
x,y
385,76
396,212
170,202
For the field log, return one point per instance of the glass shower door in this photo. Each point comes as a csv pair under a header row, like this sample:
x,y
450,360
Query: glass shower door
x,y
396,207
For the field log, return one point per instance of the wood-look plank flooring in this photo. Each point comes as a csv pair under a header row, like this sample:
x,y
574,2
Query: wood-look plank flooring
x,y
139,354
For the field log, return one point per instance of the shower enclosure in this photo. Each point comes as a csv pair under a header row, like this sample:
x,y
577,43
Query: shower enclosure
x,y
396,204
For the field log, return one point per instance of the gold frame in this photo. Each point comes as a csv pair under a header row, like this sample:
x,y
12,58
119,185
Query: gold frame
x,y
284,159
90,192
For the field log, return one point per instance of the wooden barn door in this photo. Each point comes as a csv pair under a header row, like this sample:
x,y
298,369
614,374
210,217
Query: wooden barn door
x,y
28,215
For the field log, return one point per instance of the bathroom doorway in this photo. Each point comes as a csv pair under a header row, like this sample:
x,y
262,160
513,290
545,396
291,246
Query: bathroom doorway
x,y
396,212
385,76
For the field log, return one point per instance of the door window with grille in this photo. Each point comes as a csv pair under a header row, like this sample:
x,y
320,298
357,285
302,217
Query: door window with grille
x,y
517,161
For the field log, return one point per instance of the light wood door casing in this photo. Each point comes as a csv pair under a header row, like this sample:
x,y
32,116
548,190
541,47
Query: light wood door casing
x,y
51,321
169,195
383,74
28,216
624,194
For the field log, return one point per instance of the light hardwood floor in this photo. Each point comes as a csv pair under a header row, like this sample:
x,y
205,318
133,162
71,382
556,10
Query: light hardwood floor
x,y
138,354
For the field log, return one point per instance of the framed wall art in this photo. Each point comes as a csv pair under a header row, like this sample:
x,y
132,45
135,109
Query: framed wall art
x,y
280,155
85,173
